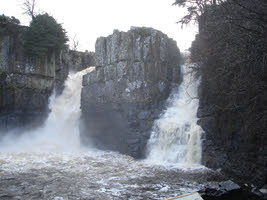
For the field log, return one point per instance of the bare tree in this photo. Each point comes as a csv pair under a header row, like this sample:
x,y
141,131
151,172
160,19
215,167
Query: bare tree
x,y
29,7
75,43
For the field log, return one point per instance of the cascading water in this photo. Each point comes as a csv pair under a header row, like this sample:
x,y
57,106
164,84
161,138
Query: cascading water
x,y
176,137
60,132
48,163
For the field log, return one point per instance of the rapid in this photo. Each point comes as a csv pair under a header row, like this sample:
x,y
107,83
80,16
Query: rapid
x,y
50,163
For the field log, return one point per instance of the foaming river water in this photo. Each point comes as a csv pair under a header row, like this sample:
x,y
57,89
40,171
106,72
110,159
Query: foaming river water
x,y
93,174
49,162
176,136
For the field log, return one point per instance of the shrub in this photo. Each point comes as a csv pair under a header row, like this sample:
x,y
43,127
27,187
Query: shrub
x,y
8,25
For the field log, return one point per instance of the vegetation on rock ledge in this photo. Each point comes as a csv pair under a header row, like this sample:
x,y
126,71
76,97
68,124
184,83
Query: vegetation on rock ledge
x,y
44,36
8,25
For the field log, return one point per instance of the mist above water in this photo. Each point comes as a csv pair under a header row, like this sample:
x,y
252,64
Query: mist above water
x,y
49,163
60,132
176,137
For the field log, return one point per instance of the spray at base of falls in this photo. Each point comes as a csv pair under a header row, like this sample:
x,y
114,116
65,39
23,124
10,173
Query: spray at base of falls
x,y
48,163
176,137
60,132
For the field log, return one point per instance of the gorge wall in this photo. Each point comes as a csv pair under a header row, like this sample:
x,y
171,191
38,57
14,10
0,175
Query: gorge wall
x,y
231,59
135,72
27,83
71,61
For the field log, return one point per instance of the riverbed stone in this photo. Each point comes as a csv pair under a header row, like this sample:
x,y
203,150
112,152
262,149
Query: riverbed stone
x,y
221,190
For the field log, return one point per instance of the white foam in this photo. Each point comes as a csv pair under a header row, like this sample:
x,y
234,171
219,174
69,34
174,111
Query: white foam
x,y
60,132
176,137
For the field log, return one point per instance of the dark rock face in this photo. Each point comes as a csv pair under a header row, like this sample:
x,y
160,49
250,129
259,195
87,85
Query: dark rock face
x,y
221,191
232,106
62,68
230,190
134,74
26,84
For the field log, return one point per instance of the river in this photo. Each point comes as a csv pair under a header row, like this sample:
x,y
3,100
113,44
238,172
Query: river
x,y
50,163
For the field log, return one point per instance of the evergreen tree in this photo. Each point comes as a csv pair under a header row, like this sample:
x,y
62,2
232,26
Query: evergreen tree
x,y
43,36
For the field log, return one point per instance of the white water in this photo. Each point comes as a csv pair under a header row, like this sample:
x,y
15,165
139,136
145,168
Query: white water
x,y
48,163
60,132
176,137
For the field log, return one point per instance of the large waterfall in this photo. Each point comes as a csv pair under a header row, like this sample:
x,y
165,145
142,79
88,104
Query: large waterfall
x,y
48,162
176,137
60,133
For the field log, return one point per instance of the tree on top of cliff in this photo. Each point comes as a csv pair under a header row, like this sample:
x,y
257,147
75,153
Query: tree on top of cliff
x,y
44,36
195,8
8,25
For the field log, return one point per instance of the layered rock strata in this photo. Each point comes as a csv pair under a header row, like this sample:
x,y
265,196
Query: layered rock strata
x,y
25,85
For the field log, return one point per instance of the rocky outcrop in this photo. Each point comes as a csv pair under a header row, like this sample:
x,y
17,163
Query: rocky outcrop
x,y
135,72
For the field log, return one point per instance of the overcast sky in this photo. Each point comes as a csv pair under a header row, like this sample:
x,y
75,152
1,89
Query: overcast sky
x,y
89,19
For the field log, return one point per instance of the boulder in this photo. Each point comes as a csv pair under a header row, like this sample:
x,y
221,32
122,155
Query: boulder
x,y
221,191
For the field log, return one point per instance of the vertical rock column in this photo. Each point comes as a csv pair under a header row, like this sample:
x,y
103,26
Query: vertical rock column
x,y
135,72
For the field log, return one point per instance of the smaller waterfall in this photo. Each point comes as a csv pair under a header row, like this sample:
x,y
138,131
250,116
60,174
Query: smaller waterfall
x,y
60,132
176,137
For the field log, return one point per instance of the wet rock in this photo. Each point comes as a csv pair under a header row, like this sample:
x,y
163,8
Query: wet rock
x,y
143,115
221,191
229,186
135,72
229,190
225,115
263,191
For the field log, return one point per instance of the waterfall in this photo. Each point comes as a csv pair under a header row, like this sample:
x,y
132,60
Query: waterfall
x,y
176,137
60,131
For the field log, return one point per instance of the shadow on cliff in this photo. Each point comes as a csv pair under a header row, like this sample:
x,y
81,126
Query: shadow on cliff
x,y
106,130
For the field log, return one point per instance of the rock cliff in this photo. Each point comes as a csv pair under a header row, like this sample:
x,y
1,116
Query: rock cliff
x,y
232,106
27,83
135,72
